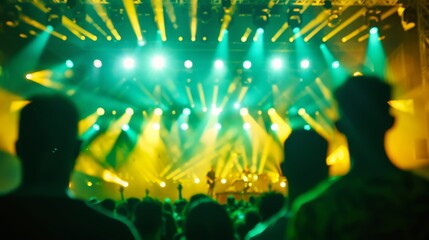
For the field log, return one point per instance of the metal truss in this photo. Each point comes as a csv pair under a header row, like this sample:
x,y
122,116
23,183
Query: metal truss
x,y
281,2
422,8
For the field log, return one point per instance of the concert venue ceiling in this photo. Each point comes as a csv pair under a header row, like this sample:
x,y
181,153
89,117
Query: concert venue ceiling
x,y
297,52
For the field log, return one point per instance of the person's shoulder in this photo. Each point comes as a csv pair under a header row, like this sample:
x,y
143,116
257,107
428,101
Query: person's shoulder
x,y
62,216
321,192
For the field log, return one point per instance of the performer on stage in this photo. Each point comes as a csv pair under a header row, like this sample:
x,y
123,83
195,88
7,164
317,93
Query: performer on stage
x,y
211,178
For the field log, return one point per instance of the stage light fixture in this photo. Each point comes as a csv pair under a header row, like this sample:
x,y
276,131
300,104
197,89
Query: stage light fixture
x,y
294,17
373,18
54,15
204,12
334,18
9,16
261,16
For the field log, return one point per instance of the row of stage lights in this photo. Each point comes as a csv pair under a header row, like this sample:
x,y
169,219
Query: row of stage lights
x,y
186,111
159,63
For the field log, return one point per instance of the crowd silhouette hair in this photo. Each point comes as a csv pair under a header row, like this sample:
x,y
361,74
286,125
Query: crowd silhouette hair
x,y
42,207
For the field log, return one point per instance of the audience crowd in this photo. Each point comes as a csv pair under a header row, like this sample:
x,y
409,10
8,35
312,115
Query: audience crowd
x,y
374,200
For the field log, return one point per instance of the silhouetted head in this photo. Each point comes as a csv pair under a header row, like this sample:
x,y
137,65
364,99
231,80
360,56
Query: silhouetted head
x,y
363,106
209,220
304,164
48,143
148,217
269,204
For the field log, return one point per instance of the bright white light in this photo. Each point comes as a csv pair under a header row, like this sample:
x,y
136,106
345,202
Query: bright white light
x,y
196,180
162,184
188,64
96,127
216,111
246,126
247,64
187,111
223,180
156,126
129,111
100,111
142,43
218,126
184,126
373,30
219,64
236,105
158,111
97,63
305,64
69,63
336,64
274,127
283,184
125,127
129,63
276,63
158,62
244,111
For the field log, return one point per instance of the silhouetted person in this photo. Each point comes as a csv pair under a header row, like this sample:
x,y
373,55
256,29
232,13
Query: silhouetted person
x,y
375,200
41,207
305,168
207,219
148,219
211,181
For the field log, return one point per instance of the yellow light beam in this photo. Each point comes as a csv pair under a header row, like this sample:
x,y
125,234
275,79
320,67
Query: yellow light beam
x,y
201,94
246,34
353,34
101,11
68,23
343,25
194,6
243,92
313,23
158,9
227,17
280,32
44,78
215,95
42,27
132,15
95,25
189,94
170,13
315,31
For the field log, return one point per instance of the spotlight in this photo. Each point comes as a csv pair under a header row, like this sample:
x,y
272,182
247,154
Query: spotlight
x,y
129,63
305,64
10,16
247,64
188,64
294,17
219,64
97,63
261,16
54,15
373,17
204,12
334,18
